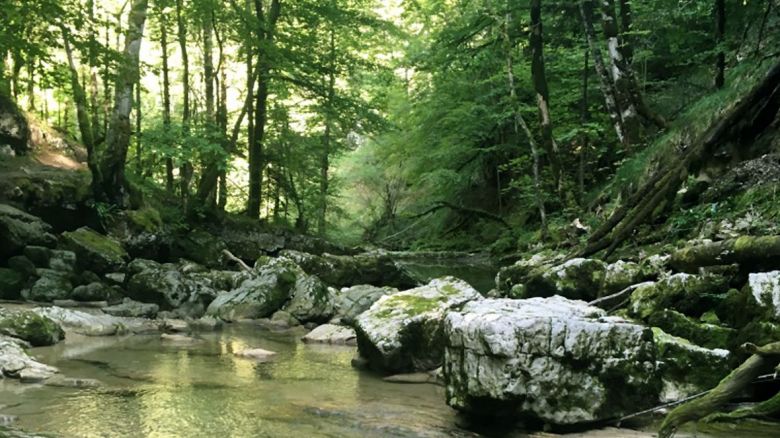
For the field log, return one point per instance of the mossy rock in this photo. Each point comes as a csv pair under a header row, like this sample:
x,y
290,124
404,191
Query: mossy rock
x,y
51,285
704,334
94,251
11,284
19,229
146,219
577,279
29,326
688,294
312,300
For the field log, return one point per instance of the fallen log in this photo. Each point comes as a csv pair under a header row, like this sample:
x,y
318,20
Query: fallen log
x,y
727,389
745,250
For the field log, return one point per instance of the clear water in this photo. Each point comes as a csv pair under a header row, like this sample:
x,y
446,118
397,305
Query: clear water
x,y
153,389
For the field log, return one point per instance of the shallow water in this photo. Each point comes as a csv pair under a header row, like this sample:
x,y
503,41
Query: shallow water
x,y
159,390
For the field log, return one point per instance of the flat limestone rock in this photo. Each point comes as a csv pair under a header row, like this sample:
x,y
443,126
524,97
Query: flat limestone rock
x,y
331,334
257,354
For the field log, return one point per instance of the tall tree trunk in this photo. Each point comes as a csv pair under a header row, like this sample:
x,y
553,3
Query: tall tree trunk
x,y
584,138
112,186
266,27
185,169
166,97
519,122
82,111
326,138
605,82
208,62
31,85
222,192
542,93
626,22
720,30
138,141
93,72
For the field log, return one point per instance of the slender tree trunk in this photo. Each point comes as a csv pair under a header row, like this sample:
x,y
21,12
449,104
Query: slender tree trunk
x,y
542,93
80,97
185,169
256,158
138,142
605,82
720,30
761,28
519,122
626,22
112,186
31,85
222,192
208,64
584,138
93,72
166,97
326,139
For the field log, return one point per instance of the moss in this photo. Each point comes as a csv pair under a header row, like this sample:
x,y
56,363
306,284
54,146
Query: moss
x,y
146,219
706,335
409,304
92,241
36,329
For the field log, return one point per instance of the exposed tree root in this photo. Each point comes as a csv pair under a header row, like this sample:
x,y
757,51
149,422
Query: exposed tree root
x,y
729,387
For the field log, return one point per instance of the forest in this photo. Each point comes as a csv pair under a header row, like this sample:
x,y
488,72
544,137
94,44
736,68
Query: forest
x,y
561,215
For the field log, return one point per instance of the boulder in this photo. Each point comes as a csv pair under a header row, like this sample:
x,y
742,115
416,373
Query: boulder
x,y
686,368
51,285
133,309
199,246
575,279
686,293
90,324
342,271
311,300
284,319
11,284
39,255
29,326
352,301
765,289
259,296
403,332
553,359
164,285
15,363
19,229
14,130
707,335
331,334
620,275
62,260
22,265
92,292
516,274
94,251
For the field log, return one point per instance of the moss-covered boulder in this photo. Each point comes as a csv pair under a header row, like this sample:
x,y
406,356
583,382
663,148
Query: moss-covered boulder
x,y
553,359
575,279
350,302
377,269
764,287
704,334
689,294
51,285
11,284
133,309
92,292
199,246
622,274
94,251
26,325
312,300
516,274
19,229
687,368
404,331
259,296
166,286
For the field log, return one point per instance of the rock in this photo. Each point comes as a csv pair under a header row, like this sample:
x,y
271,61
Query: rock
x,y
515,275
174,326
23,266
64,261
94,251
29,326
434,377
92,292
221,280
311,300
52,285
351,302
331,334
342,271
260,296
257,354
704,334
686,368
14,130
165,286
688,294
133,309
39,255
15,363
765,289
554,359
403,332
574,279
201,247
206,323
656,266
620,275
115,278
70,382
19,229
179,339
95,324
11,284
284,319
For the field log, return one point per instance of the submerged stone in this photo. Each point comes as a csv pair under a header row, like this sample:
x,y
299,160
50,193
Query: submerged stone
x,y
331,334
257,354
403,332
554,359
